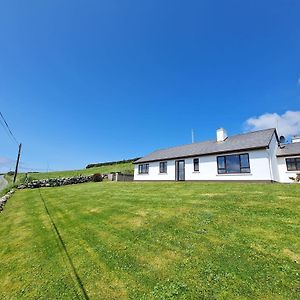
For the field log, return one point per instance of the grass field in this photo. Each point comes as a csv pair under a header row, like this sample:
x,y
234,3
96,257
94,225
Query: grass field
x,y
152,241
121,167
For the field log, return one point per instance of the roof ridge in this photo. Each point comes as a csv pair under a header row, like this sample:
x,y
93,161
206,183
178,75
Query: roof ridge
x,y
250,132
182,145
248,140
239,134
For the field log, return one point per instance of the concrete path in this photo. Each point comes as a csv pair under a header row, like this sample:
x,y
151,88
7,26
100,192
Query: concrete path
x,y
3,183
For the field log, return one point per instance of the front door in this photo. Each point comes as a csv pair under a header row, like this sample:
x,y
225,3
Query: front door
x,y
180,170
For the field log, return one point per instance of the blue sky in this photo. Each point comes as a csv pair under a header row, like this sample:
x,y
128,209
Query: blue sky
x,y
90,81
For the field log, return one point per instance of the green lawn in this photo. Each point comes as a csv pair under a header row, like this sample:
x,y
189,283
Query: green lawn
x,y
152,241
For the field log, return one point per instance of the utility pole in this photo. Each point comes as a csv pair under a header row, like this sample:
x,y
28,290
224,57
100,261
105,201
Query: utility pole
x,y
17,163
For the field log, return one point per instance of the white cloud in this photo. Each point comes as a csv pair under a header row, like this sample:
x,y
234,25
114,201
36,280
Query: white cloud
x,y
287,124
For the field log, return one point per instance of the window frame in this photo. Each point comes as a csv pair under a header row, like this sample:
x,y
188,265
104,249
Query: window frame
x,y
143,168
163,167
296,162
196,161
224,170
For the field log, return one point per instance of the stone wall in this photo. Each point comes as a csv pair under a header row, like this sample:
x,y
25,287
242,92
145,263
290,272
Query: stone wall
x,y
51,182
5,198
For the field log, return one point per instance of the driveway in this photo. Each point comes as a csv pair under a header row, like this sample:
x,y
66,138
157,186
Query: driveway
x,y
3,183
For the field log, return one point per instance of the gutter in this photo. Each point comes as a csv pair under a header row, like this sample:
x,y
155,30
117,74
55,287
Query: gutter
x,y
288,154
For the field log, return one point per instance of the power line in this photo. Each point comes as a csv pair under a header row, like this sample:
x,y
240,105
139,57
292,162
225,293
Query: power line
x,y
6,131
8,128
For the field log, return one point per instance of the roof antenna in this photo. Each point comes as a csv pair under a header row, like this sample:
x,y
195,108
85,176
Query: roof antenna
x,y
193,136
281,137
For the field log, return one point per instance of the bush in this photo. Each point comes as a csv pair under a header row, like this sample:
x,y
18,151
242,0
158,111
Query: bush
x,y
11,173
97,177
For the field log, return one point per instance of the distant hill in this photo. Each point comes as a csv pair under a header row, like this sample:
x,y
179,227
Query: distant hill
x,y
110,163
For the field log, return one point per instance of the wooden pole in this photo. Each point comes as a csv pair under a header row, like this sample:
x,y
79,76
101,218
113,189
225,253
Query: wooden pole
x,y
17,163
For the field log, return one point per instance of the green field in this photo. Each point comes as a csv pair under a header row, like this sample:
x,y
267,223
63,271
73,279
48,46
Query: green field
x,y
114,240
121,167
126,167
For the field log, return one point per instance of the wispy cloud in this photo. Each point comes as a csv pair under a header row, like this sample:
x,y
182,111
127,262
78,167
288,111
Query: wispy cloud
x,y
298,81
287,124
6,163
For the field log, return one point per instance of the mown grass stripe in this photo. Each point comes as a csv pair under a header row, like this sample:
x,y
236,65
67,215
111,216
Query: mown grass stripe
x,y
65,250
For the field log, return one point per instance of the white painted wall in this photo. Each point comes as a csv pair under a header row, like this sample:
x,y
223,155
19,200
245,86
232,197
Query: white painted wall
x,y
284,174
259,165
154,172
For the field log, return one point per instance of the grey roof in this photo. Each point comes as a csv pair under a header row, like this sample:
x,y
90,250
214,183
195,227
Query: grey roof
x,y
289,149
251,140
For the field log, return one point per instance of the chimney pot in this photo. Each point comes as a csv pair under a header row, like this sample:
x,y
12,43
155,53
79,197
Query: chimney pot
x,y
221,135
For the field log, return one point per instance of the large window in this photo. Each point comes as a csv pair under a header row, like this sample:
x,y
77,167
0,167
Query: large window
x,y
144,169
163,167
196,164
237,163
293,164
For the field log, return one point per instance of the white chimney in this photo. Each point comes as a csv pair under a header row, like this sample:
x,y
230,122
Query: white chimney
x,y
221,135
296,139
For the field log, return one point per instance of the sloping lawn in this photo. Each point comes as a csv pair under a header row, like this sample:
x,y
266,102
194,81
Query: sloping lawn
x,y
152,241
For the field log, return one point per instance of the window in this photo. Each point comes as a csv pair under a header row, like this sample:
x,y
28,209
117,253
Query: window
x,y
196,164
238,163
163,167
244,162
144,169
293,164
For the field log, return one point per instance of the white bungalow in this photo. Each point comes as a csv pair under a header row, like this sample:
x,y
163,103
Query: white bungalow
x,y
255,156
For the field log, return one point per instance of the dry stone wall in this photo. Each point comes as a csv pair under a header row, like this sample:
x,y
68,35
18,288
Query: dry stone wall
x,y
5,198
51,182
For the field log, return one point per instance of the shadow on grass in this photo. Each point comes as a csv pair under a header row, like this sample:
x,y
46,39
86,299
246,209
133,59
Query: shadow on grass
x,y
63,245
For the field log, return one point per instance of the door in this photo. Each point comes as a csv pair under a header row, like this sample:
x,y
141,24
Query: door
x,y
180,170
